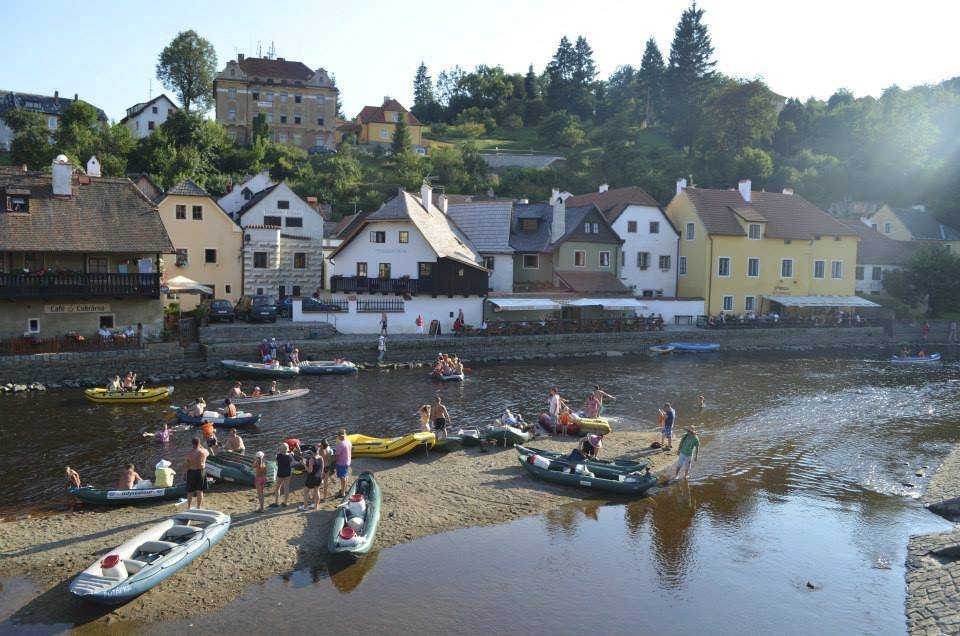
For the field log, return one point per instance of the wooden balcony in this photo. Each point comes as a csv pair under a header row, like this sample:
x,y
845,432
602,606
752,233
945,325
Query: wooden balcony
x,y
364,285
79,285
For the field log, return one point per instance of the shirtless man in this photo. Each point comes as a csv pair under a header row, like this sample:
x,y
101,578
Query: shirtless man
x,y
196,463
128,478
230,410
236,391
441,418
197,408
234,442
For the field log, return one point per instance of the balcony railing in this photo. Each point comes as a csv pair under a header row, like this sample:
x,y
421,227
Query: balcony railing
x,y
363,285
79,285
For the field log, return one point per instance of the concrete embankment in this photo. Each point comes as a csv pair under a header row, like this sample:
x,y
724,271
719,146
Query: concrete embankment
x,y
933,560
236,341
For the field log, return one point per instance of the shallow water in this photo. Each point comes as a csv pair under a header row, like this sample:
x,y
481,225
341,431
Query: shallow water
x,y
807,475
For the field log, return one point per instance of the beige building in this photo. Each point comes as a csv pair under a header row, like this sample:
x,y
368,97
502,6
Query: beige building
x,y
299,104
378,123
206,243
914,224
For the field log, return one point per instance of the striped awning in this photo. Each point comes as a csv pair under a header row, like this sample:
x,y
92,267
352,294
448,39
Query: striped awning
x,y
821,301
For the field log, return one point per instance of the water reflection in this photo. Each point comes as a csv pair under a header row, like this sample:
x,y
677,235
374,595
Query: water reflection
x,y
347,577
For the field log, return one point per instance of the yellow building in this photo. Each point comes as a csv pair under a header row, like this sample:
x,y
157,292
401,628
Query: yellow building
x,y
299,104
208,243
739,247
377,123
914,224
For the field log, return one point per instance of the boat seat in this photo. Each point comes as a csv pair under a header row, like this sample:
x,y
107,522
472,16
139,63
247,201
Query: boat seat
x,y
155,547
180,533
133,566
205,517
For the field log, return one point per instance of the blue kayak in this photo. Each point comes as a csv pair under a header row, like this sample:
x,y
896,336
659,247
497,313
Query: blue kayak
x,y
933,357
695,346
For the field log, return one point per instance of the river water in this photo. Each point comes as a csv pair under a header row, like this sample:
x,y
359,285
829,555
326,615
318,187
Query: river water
x,y
795,519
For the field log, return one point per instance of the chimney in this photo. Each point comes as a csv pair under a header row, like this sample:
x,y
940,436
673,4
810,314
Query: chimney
x,y
239,57
603,188
744,187
75,97
426,194
788,190
62,176
559,225
681,185
93,167
386,98
56,97
442,201
280,59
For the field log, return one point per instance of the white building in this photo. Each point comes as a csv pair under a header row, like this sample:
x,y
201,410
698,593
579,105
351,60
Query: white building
x,y
283,244
241,193
650,242
407,259
877,255
143,118
487,224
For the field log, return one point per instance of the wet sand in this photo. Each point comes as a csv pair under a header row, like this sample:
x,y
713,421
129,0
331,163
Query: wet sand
x,y
422,494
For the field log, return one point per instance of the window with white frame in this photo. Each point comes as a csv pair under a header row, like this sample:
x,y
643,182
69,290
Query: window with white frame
x,y
682,265
753,267
383,133
753,231
836,270
604,259
33,325
819,269
596,228
664,262
531,261
404,236
586,228
579,258
723,266
643,260
786,268
691,231
378,236
232,93
728,303
749,303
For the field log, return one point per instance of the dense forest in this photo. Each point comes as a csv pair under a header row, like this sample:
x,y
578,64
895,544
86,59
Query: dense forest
x,y
646,124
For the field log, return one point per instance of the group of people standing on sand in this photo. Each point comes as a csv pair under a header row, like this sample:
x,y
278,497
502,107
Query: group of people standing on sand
x,y
127,383
559,411
318,463
688,450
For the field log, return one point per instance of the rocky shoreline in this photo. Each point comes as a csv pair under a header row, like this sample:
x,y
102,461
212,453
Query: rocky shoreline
x,y
479,486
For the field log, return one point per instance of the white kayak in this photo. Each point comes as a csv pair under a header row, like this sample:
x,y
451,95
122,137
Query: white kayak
x,y
289,394
142,562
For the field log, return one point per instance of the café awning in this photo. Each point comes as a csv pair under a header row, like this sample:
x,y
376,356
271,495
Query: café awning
x,y
524,304
822,301
610,304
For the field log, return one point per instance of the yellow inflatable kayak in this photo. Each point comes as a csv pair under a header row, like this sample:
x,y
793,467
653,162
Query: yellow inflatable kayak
x,y
102,396
364,446
594,425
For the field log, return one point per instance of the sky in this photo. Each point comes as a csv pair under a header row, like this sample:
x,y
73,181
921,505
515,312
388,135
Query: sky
x,y
106,51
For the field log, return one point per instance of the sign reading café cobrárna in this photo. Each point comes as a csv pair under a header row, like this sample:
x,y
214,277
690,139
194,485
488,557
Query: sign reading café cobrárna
x,y
78,308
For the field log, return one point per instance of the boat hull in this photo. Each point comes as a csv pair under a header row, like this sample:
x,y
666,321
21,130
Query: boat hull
x,y
236,468
695,347
507,435
366,485
225,422
147,396
289,394
597,483
124,497
259,370
439,377
386,448
933,357
602,467
327,368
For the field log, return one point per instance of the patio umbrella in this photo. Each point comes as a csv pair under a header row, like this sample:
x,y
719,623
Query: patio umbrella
x,y
184,285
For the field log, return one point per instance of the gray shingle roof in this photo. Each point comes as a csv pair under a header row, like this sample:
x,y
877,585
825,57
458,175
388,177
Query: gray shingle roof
x,y
613,202
187,188
540,240
106,215
876,249
511,160
788,216
441,233
38,103
486,224
925,226
255,199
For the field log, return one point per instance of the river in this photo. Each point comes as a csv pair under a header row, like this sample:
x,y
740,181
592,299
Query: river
x,y
795,519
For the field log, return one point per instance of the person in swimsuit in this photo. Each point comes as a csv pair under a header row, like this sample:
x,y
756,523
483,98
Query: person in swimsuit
x,y
598,395
441,418
234,442
260,477
284,472
196,464
229,409
343,457
315,474
424,414
236,391
73,478
129,478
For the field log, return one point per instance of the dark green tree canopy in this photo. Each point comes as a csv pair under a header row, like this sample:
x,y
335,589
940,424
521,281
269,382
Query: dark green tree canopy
x,y
187,67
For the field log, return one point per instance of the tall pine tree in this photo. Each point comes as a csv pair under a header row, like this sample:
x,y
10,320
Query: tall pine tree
x,y
689,77
424,103
560,76
650,82
531,85
400,144
583,76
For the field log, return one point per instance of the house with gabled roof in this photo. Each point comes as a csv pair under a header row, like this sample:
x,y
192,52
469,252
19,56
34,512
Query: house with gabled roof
x,y
406,259
240,193
77,253
207,243
143,118
650,241
876,256
914,224
740,247
284,244
486,222
377,123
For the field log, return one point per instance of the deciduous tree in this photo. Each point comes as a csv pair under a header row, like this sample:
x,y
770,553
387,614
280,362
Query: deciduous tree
x,y
187,67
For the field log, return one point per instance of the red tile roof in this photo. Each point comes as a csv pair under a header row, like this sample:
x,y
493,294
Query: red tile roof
x,y
788,216
613,202
378,114
279,68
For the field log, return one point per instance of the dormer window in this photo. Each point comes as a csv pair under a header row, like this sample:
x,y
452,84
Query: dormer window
x,y
528,225
754,231
18,203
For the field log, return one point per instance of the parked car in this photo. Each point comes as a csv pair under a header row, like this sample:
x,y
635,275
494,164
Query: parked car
x,y
219,310
257,308
320,150
309,304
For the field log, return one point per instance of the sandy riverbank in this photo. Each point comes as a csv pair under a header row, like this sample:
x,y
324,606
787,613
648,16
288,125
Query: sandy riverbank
x,y
422,495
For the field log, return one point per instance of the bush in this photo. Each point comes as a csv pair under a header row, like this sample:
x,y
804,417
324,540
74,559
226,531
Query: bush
x,y
439,128
471,130
513,121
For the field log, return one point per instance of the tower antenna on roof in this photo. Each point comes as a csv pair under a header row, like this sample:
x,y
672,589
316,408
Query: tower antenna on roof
x,y
272,51
259,49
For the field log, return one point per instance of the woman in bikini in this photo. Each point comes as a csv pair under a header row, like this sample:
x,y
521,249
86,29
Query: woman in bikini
x,y
260,477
